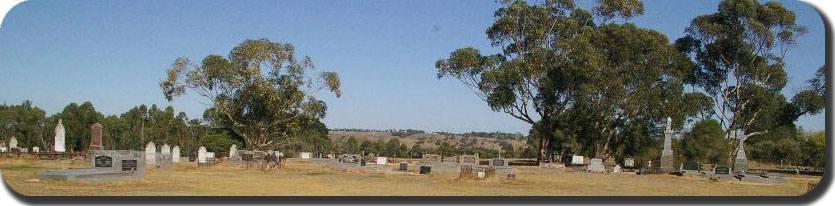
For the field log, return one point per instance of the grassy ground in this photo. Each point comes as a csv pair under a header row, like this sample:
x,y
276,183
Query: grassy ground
x,y
302,178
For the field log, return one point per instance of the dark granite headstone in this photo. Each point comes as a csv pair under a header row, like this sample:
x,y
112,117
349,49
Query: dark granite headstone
x,y
404,166
499,162
425,169
722,170
128,165
104,161
690,166
511,176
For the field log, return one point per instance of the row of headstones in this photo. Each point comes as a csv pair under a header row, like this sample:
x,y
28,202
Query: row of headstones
x,y
463,160
13,146
173,153
59,143
596,164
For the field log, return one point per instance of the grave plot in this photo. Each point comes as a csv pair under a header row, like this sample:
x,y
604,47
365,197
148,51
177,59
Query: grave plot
x,y
106,166
256,159
433,163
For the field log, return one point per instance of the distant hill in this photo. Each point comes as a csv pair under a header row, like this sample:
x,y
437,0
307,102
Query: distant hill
x,y
428,140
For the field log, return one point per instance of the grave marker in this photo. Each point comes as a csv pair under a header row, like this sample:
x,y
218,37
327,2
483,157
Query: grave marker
x,y
469,159
166,150
430,158
425,170
305,155
95,141
498,162
13,143
175,154
233,151
690,165
667,152
404,166
59,137
596,165
150,154
722,170
577,160
629,163
104,161
740,161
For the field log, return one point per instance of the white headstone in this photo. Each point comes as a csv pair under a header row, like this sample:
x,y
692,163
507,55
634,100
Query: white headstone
x,y
629,162
201,155
305,155
165,150
616,169
596,165
233,151
577,160
36,149
382,160
59,138
481,175
150,153
210,155
175,154
13,143
4,149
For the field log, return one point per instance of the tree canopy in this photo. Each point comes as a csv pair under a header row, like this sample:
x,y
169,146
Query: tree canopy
x,y
261,91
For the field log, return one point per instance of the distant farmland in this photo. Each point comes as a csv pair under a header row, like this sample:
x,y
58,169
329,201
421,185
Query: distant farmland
x,y
427,140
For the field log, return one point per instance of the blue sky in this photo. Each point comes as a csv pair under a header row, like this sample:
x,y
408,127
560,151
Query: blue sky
x,y
113,53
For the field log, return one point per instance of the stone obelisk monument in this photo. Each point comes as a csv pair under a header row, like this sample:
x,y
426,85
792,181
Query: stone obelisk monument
x,y
667,153
59,138
741,162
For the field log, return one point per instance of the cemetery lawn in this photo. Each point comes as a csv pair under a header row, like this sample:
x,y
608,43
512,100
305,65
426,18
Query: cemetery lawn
x,y
303,178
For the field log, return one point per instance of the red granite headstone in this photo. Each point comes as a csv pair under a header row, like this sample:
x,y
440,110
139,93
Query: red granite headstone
x,y
95,142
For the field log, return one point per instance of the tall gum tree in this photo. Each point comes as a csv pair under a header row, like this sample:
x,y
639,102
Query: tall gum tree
x,y
261,91
553,56
739,53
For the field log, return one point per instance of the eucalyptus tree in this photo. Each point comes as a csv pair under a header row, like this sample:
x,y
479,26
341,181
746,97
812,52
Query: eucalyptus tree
x,y
523,81
631,80
739,53
560,63
259,91
812,100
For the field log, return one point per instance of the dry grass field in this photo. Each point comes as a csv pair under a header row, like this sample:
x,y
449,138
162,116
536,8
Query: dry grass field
x,y
302,178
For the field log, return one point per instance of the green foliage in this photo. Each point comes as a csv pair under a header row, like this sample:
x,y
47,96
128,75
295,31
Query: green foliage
x,y
738,51
26,123
352,147
261,91
589,87
219,142
705,142
77,120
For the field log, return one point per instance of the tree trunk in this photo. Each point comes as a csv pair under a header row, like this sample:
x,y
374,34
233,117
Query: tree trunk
x,y
544,140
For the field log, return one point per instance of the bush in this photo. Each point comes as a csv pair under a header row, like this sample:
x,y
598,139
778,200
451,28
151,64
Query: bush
x,y
705,142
